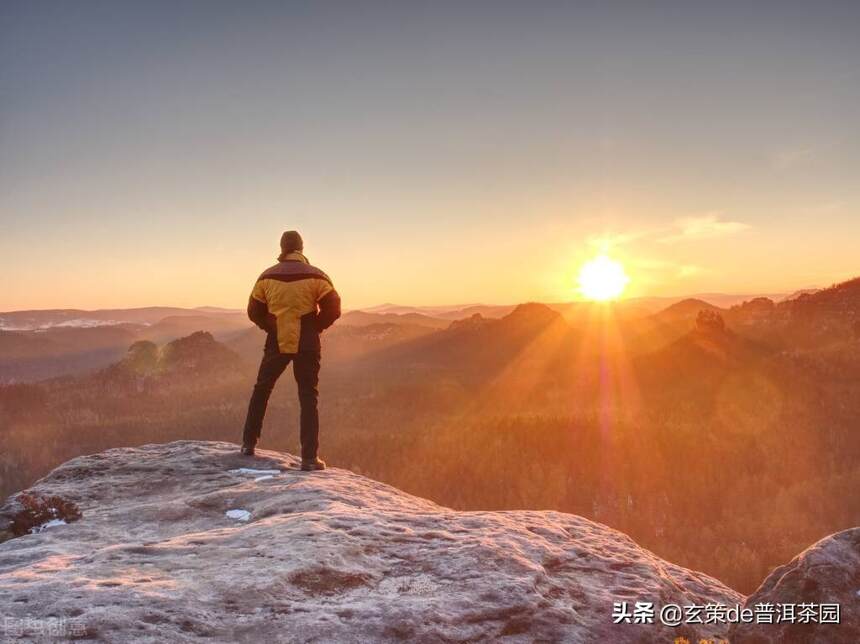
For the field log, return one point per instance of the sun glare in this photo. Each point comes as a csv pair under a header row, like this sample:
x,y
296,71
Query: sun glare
x,y
602,279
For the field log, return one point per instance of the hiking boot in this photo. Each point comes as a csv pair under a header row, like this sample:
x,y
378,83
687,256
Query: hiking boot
x,y
248,449
311,464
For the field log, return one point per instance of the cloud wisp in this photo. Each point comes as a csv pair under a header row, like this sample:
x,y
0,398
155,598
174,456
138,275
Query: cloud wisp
x,y
702,227
792,157
706,226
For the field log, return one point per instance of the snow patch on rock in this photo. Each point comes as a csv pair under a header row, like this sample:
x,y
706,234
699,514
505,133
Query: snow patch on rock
x,y
45,526
248,471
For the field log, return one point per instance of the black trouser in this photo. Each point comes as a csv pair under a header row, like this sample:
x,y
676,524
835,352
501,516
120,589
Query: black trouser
x,y
306,368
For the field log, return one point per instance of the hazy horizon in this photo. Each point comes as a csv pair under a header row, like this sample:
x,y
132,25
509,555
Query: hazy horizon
x,y
240,304
443,306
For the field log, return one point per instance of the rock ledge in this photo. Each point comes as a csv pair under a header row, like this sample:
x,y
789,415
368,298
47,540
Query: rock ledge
x,y
191,540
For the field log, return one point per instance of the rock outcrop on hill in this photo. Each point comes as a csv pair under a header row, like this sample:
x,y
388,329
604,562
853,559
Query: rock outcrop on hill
x,y
827,573
189,540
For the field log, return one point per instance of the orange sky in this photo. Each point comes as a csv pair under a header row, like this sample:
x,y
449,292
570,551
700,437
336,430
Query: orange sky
x,y
154,156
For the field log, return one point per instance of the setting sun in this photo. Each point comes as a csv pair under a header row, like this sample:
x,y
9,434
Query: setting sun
x,y
602,279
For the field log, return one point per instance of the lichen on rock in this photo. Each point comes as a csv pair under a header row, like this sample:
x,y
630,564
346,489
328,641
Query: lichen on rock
x,y
28,512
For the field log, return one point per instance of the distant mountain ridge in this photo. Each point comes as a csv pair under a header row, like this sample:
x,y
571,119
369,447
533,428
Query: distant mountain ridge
x,y
37,345
364,318
47,318
32,319
654,303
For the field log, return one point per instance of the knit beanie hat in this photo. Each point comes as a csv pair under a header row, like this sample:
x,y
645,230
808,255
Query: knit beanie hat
x,y
291,241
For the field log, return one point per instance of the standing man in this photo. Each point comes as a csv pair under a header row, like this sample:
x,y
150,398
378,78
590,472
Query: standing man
x,y
293,302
